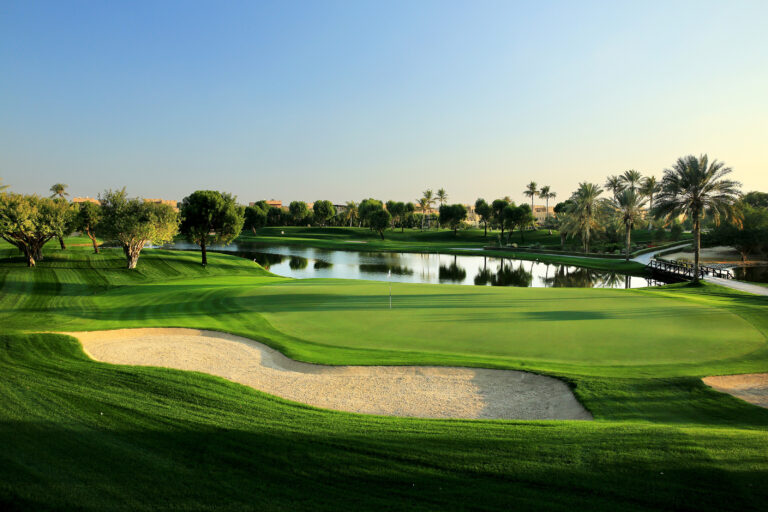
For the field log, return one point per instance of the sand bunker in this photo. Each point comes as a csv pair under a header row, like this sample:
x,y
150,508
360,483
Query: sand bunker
x,y
750,387
417,391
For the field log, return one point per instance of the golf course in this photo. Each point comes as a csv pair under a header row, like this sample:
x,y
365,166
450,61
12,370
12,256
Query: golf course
x,y
81,434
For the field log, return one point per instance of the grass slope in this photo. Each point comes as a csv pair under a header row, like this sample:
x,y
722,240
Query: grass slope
x,y
187,441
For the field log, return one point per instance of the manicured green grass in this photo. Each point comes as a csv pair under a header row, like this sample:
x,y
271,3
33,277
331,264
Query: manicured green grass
x,y
172,439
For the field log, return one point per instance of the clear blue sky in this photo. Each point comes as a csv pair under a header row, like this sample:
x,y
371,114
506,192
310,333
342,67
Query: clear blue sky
x,y
345,100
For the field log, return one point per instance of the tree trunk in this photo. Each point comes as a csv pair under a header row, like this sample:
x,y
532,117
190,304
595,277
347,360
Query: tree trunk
x,y
28,254
93,241
37,251
205,255
132,254
696,246
382,234
61,243
485,225
562,241
522,237
253,229
629,234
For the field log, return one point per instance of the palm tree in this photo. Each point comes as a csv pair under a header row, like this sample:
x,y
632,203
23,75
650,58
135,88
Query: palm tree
x,y
546,194
442,196
351,211
695,187
3,187
631,179
423,206
530,191
59,189
649,188
583,213
429,200
614,184
629,209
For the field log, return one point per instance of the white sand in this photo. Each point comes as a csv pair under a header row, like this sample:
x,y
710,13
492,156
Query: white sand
x,y
751,387
416,391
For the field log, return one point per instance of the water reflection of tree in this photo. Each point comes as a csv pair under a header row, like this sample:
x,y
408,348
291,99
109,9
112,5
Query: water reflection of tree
x,y
578,277
321,264
264,259
506,275
298,263
382,268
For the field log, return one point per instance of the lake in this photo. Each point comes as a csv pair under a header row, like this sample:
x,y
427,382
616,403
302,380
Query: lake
x,y
303,262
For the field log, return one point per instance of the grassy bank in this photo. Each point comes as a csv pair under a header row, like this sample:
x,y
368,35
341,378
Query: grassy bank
x,y
79,434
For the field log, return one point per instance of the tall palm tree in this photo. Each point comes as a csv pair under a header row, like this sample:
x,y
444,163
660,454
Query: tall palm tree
x,y
423,205
614,184
628,206
531,191
429,200
649,188
631,179
695,187
59,189
351,211
583,214
442,196
546,194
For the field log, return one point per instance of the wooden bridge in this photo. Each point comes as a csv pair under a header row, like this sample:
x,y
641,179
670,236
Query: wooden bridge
x,y
683,270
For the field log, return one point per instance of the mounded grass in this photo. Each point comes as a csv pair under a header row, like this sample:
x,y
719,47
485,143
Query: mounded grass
x,y
661,439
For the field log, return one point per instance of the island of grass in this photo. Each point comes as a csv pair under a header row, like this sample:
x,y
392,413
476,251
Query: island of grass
x,y
81,434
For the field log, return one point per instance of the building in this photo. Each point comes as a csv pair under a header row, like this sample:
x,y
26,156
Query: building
x,y
541,212
85,200
170,202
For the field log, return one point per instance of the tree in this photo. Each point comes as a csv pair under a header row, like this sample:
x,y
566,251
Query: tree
x,y
134,223
546,194
485,212
428,201
561,214
498,206
3,187
397,210
275,216
423,206
628,207
88,218
530,191
255,216
324,211
583,213
442,196
631,179
29,222
615,184
649,188
210,217
59,190
749,235
351,212
696,187
520,217
367,208
379,220
298,211
753,199
453,215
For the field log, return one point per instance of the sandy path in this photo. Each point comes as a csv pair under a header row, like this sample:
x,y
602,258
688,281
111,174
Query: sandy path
x,y
418,391
751,387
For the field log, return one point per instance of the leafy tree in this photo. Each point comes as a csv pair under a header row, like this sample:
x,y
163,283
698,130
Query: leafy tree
x,y
628,207
485,212
753,199
453,215
518,216
324,211
88,218
615,184
748,235
649,188
351,212
134,223
531,191
255,217
298,211
695,187
498,206
275,216
442,196
584,212
210,217
29,222
367,208
59,190
561,214
379,220
397,210
631,179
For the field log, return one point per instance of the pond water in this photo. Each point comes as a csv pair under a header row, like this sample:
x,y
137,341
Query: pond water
x,y
756,274
301,262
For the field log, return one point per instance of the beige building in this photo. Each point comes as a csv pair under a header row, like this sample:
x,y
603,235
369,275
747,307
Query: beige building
x,y
170,202
85,200
541,212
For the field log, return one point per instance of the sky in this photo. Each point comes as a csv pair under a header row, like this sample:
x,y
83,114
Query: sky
x,y
307,100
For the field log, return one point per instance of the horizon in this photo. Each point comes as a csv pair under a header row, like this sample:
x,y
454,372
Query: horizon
x,y
342,102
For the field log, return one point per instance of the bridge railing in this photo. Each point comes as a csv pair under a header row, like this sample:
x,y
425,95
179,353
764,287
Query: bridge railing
x,y
685,269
